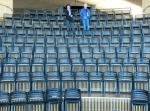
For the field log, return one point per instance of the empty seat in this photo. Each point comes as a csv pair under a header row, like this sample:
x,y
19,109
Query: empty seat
x,y
4,101
23,81
36,100
18,100
82,81
54,97
7,82
38,81
110,82
96,82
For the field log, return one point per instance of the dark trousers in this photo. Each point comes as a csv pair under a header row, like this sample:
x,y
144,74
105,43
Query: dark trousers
x,y
70,25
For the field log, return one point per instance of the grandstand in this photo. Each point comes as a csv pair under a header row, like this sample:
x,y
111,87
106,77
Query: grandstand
x,y
38,58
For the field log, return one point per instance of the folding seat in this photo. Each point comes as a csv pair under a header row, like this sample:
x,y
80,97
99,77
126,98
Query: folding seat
x,y
122,51
67,79
58,33
40,40
54,97
69,34
141,80
142,64
147,18
3,51
22,82
145,29
74,52
2,30
8,17
136,29
118,17
48,31
31,32
136,39
98,27
110,17
81,79
52,77
52,73
4,101
39,51
83,41
97,51
137,101
90,64
139,18
94,41
51,51
48,12
146,51
110,82
128,19
64,65
125,83
36,100
134,51
17,18
13,51
7,82
44,19
63,51
78,33
103,64
19,40
77,64
72,95
32,13
9,64
126,30
38,81
146,39
39,29
61,41
95,82
7,40
35,20
23,64
11,31
26,51
102,17
105,39
110,51
107,30
27,21
60,20
21,31
116,64
18,100
72,42
37,65
55,26
86,51
129,64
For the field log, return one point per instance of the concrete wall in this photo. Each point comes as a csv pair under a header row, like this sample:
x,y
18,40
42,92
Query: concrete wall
x,y
6,6
146,3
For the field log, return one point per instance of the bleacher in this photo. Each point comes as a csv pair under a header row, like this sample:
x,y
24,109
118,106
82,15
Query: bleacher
x,y
37,53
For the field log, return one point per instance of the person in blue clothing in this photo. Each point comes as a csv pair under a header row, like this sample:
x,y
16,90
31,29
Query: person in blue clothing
x,y
85,16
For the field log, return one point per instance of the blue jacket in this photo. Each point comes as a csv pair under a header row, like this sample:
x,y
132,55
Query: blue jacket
x,y
85,13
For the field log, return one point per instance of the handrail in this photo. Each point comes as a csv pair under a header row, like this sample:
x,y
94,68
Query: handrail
x,y
7,7
145,8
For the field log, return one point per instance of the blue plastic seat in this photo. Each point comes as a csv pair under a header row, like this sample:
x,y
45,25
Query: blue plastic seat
x,y
53,97
72,95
